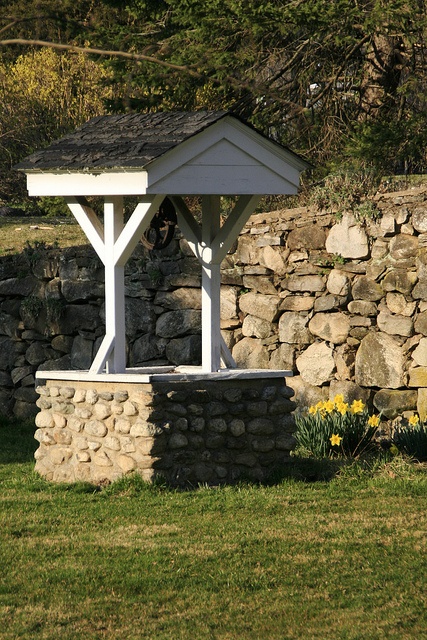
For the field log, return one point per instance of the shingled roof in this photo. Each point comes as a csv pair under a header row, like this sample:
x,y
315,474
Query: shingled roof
x,y
131,140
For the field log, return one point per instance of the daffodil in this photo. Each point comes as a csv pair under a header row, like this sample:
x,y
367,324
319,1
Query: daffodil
x,y
335,440
342,408
339,398
329,406
312,409
374,421
320,408
357,406
414,420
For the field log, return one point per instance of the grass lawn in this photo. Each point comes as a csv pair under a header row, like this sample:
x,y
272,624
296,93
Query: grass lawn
x,y
15,233
339,558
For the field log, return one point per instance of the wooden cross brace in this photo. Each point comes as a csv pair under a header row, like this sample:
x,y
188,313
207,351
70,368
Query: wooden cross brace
x,y
210,242
114,243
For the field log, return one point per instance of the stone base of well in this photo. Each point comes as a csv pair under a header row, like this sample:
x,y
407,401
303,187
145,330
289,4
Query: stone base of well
x,y
188,430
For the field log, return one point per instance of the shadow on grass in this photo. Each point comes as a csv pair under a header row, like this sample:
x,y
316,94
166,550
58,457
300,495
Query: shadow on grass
x,y
17,442
305,470
308,469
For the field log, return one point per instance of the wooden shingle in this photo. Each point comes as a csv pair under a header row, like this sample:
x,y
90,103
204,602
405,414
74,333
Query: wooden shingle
x,y
111,142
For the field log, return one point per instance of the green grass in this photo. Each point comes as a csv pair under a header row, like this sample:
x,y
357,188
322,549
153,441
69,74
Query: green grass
x,y
15,233
342,558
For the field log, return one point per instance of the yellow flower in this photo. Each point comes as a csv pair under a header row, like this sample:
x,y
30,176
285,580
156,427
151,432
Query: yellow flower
x,y
328,406
339,398
357,406
374,421
312,409
320,408
413,420
335,439
342,408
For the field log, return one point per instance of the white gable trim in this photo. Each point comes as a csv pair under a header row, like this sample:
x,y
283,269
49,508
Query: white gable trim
x,y
274,148
224,152
190,180
175,167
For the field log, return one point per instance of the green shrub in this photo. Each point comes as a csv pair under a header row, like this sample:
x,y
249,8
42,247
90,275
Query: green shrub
x,y
412,439
346,191
53,207
334,428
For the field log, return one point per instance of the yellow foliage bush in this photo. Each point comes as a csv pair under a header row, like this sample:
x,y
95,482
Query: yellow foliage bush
x,y
43,95
68,87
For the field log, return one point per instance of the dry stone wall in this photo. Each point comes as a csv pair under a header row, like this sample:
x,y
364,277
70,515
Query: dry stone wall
x,y
342,305
348,313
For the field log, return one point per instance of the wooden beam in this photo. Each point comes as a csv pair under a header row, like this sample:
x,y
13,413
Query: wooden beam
x,y
135,227
102,355
226,356
236,220
89,222
114,287
68,183
211,285
188,225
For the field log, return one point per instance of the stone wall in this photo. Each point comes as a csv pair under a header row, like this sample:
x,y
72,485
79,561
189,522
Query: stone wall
x,y
343,305
187,433
52,314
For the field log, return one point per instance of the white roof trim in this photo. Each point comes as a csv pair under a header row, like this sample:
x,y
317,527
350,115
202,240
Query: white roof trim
x,y
80,183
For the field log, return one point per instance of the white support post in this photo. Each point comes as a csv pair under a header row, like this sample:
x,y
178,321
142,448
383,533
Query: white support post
x,y
210,243
211,281
114,287
114,243
120,241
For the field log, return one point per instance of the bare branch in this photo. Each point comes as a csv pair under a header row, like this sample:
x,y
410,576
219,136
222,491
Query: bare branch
x,y
139,57
281,72
9,26
14,21
331,83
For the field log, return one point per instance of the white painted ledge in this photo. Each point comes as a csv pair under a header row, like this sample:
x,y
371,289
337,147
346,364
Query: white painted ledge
x,y
162,374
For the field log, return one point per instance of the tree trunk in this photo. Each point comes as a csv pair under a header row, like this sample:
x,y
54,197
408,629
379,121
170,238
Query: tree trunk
x,y
381,75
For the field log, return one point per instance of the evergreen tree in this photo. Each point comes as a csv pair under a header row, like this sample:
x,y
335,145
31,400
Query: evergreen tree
x,y
339,81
